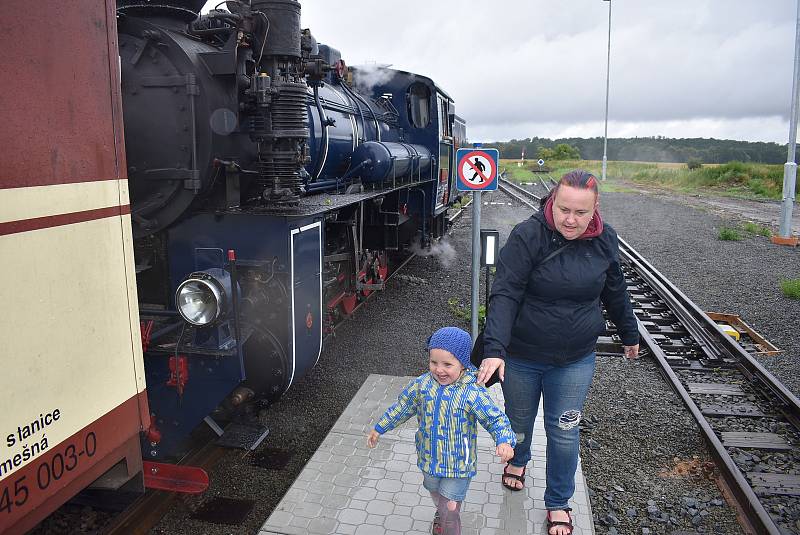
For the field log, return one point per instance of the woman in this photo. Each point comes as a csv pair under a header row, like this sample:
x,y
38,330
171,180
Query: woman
x,y
545,317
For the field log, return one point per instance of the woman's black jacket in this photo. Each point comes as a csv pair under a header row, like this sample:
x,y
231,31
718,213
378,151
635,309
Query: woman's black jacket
x,y
550,312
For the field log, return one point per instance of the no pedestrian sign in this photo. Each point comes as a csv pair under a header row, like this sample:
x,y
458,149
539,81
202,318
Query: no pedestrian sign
x,y
477,169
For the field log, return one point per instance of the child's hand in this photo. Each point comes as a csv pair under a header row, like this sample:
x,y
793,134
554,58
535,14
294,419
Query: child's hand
x,y
372,439
505,452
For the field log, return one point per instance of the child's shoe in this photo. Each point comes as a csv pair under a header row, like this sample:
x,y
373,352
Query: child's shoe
x,y
436,527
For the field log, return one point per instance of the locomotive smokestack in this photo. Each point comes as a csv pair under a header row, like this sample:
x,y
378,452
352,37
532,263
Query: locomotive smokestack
x,y
283,38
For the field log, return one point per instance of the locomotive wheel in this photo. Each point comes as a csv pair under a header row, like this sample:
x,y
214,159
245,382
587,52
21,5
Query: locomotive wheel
x,y
265,362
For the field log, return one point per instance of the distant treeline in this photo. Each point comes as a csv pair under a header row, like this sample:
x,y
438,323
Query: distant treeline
x,y
652,149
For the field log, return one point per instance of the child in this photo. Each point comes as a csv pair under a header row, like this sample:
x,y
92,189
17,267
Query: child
x,y
447,401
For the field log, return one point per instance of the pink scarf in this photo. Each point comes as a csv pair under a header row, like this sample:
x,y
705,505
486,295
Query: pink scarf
x,y
594,229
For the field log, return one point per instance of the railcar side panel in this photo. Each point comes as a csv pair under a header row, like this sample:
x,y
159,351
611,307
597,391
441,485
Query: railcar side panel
x,y
73,374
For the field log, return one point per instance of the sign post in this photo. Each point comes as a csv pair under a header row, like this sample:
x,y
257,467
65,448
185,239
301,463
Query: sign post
x,y
477,172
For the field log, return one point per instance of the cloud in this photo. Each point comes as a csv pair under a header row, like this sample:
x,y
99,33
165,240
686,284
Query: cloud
x,y
695,66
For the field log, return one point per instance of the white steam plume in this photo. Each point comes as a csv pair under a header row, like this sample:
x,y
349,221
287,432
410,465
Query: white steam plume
x,y
441,250
368,76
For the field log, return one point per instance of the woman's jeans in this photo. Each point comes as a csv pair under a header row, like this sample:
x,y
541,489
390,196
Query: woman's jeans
x,y
563,389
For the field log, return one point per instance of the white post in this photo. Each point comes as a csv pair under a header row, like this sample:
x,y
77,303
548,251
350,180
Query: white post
x,y
608,75
790,168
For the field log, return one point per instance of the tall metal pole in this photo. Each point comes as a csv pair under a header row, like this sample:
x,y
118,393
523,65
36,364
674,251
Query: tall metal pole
x,y
476,259
608,75
790,168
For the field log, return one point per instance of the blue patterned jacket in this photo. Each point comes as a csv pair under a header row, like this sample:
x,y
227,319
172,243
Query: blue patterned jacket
x,y
446,438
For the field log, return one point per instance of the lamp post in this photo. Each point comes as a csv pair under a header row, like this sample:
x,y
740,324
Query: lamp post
x,y
790,168
608,74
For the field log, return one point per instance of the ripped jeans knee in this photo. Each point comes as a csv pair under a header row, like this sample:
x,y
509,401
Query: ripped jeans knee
x,y
569,419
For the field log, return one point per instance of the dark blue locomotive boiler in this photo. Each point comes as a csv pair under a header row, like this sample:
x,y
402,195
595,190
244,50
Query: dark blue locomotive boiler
x,y
272,189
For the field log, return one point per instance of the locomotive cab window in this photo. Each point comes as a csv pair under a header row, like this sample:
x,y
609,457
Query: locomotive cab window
x,y
444,119
419,104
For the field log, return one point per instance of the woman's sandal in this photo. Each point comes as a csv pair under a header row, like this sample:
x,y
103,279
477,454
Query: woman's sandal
x,y
520,478
555,523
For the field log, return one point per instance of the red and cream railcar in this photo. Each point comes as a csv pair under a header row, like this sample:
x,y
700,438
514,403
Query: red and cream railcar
x,y
72,376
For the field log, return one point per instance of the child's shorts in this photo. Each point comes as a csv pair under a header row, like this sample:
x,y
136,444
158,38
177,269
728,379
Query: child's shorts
x,y
452,488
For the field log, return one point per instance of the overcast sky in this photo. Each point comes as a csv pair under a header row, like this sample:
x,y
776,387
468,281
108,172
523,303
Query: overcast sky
x,y
525,68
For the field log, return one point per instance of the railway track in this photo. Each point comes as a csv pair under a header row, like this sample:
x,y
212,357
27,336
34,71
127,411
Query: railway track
x,y
749,420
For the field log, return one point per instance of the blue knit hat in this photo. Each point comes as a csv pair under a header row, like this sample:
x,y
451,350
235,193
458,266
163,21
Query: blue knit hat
x,y
453,340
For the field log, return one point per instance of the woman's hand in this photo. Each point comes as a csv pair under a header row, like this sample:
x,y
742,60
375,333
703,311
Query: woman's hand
x,y
488,366
505,452
631,352
372,438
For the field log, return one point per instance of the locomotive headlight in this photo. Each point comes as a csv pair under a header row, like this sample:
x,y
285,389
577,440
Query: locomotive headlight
x,y
202,298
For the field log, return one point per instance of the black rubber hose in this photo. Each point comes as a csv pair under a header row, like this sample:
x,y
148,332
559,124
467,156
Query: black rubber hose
x,y
323,120
374,117
358,107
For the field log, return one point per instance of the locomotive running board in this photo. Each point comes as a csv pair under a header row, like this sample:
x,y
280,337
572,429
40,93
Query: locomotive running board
x,y
175,478
245,436
239,435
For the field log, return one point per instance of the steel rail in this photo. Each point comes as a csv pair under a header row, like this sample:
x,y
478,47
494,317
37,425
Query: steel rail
x,y
754,513
508,191
520,189
749,365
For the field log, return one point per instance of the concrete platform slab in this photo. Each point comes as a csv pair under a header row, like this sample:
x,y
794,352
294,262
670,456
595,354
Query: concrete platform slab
x,y
348,489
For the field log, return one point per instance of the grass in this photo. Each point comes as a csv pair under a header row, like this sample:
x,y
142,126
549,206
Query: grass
x,y
736,179
463,311
791,288
754,228
519,174
616,187
729,234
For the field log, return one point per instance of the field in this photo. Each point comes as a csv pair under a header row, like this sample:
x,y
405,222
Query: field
x,y
736,179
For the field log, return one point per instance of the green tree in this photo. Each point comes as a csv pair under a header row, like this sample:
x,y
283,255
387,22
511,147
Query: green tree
x,y
651,149
563,151
694,163
545,154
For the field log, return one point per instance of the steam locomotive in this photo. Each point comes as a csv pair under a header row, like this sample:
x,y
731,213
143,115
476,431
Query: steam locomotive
x,y
273,188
